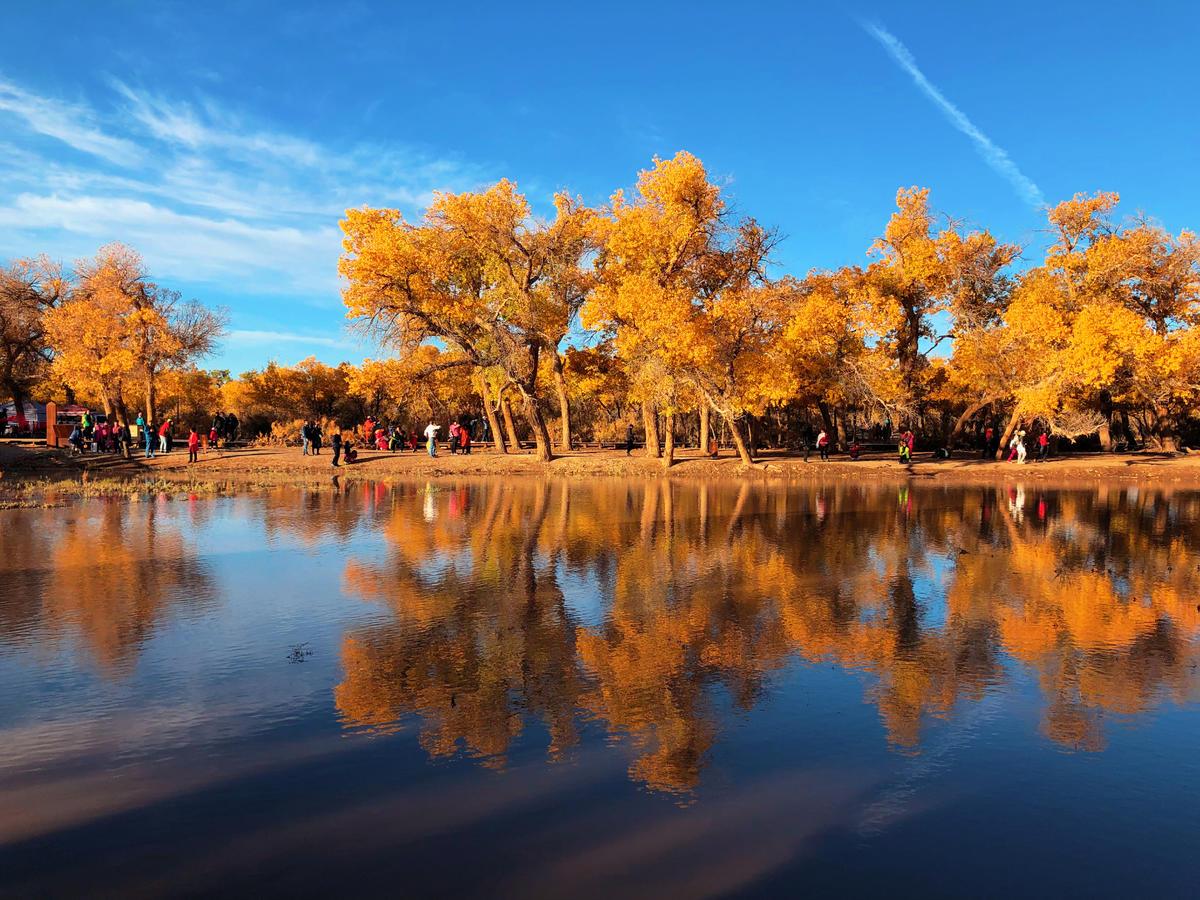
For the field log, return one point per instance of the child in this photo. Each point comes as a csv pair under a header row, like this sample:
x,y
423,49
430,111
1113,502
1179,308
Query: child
x,y
193,447
464,440
213,438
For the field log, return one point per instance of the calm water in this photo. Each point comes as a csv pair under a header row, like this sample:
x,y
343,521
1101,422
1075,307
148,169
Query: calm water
x,y
603,689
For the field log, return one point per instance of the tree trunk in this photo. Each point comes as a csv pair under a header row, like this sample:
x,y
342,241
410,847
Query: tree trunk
x,y
564,405
537,424
1106,441
1013,421
1168,439
150,399
669,451
704,428
650,422
18,399
739,442
490,412
827,422
967,416
509,427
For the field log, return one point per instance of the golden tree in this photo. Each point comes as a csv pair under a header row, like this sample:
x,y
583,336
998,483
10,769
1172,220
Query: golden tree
x,y
117,329
683,283
922,272
479,274
28,289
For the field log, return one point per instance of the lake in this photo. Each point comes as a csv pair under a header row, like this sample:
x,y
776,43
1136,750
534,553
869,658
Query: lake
x,y
603,688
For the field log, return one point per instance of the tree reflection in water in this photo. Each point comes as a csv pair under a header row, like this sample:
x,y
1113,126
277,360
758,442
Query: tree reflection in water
x,y
104,571
938,594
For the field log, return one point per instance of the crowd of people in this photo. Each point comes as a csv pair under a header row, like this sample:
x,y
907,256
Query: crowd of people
x,y
93,435
101,436
394,438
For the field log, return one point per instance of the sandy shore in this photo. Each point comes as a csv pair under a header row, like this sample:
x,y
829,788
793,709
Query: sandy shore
x,y
282,464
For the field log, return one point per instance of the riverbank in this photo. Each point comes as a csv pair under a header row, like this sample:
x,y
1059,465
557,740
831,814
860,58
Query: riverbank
x,y
274,465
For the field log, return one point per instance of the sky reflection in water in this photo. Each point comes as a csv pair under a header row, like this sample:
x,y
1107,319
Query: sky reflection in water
x,y
485,687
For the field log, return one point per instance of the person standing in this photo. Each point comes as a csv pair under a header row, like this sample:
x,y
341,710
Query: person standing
x,y
987,440
823,445
316,439
193,447
453,432
335,444
146,429
305,437
214,439
431,431
464,441
231,428
1021,451
1043,446
629,439
164,434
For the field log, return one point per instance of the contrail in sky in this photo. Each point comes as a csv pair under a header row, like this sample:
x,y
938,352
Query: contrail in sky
x,y
995,156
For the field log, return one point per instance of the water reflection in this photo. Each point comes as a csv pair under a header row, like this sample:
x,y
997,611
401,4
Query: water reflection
x,y
98,572
648,608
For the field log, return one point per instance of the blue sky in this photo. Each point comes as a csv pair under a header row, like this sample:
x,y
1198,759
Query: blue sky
x,y
225,140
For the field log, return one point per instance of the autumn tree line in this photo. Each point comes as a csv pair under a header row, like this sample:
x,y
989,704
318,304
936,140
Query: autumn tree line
x,y
662,308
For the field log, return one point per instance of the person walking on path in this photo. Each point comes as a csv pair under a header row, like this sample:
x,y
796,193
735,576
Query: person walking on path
x,y
628,440
823,445
193,447
431,431
335,444
125,439
1012,446
1043,446
146,432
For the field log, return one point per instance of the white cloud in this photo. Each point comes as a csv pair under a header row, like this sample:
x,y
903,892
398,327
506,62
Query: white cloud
x,y
206,249
994,156
73,125
258,338
181,124
206,194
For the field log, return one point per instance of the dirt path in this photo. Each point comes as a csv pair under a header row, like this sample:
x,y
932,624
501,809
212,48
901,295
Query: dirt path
x,y
278,464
